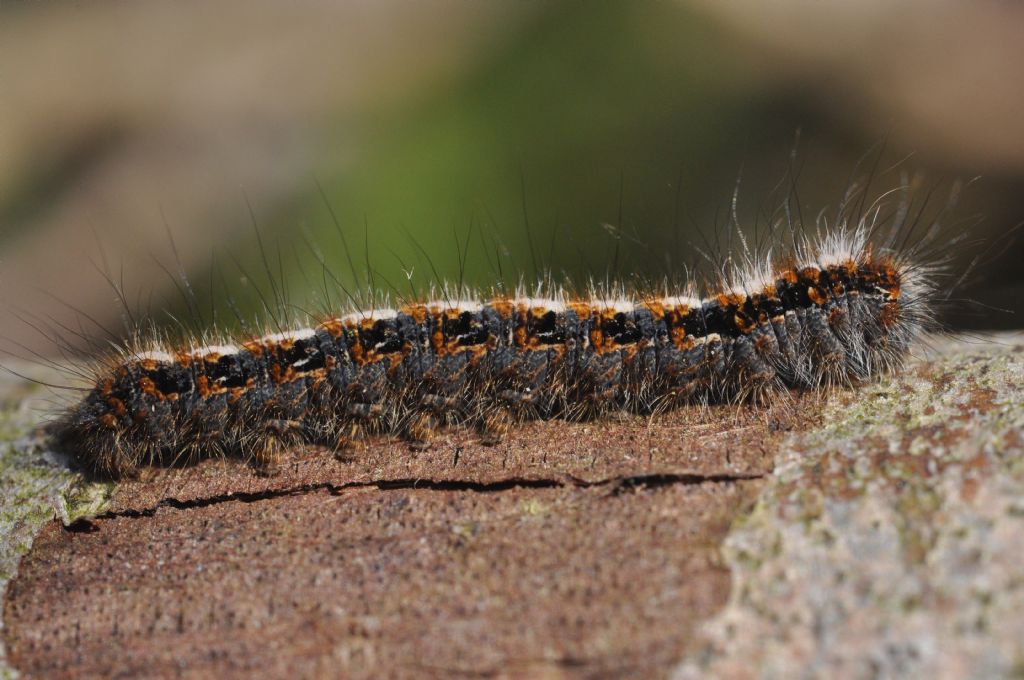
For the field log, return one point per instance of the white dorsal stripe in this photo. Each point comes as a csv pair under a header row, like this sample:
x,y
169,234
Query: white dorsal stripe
x,y
619,304
681,300
154,355
298,334
550,304
461,305
223,350
369,315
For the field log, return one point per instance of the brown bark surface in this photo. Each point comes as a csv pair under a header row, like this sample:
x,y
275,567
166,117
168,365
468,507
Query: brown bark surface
x,y
570,549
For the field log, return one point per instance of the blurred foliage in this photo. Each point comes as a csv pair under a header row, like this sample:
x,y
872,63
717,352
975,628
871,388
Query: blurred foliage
x,y
604,142
598,140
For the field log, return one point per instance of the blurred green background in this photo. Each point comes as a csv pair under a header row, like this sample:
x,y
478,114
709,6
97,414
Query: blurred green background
x,y
617,131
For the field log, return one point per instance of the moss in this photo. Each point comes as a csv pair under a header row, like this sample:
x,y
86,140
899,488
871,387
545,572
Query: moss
x,y
534,508
36,486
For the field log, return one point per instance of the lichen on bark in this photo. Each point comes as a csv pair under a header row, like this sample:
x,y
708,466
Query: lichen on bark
x,y
36,484
886,542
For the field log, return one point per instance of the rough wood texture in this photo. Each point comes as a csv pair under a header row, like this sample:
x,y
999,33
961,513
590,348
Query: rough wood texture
x,y
885,540
585,548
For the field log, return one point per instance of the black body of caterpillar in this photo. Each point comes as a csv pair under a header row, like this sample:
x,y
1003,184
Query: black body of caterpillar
x,y
842,311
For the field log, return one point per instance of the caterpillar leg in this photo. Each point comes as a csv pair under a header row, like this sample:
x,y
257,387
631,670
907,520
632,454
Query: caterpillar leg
x,y
363,419
435,411
348,441
421,430
267,451
495,426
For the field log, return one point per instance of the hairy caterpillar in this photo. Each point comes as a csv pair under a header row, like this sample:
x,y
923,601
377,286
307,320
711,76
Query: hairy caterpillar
x,y
834,307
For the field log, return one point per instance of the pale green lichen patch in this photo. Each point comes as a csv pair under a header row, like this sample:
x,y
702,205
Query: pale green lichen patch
x,y
36,484
886,542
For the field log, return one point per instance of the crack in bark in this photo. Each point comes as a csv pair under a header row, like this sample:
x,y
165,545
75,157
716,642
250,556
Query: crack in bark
x,y
618,485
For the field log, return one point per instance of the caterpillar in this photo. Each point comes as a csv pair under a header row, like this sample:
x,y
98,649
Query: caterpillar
x,y
837,306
